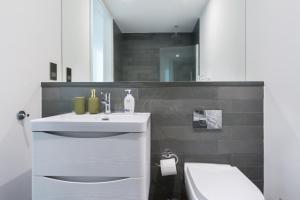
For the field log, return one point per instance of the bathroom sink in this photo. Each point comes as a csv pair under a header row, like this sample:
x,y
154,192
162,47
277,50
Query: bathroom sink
x,y
115,122
102,156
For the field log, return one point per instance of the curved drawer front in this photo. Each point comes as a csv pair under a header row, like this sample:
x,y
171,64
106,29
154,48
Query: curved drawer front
x,y
55,189
110,155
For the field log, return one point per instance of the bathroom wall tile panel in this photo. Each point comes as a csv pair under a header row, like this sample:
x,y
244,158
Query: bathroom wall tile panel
x,y
241,93
68,94
141,105
51,93
179,93
242,119
247,106
239,142
247,159
185,106
188,133
185,147
172,119
253,173
55,107
208,158
240,146
246,132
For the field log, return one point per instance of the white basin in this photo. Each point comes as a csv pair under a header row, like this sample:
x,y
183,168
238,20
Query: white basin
x,y
115,122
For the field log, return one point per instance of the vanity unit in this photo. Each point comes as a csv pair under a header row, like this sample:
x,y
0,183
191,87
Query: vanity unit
x,y
91,157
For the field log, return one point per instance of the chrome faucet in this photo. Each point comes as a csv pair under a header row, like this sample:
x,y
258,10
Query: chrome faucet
x,y
106,102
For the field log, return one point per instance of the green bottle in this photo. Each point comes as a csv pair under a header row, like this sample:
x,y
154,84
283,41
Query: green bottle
x,y
94,103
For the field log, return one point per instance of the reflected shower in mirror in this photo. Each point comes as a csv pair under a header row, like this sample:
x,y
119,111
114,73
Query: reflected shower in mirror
x,y
154,40
178,63
155,57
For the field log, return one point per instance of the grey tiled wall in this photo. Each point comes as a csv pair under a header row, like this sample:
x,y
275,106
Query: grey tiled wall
x,y
239,143
196,32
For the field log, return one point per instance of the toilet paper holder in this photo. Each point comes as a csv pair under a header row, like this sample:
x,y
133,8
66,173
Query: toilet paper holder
x,y
168,154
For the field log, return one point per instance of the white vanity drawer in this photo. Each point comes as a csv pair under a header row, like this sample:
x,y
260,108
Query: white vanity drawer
x,y
90,154
45,188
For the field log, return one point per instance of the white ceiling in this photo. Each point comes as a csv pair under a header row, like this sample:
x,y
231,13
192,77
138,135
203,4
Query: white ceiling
x,y
151,16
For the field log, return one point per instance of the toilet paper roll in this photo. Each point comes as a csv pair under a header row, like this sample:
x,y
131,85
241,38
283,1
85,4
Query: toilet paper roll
x,y
168,167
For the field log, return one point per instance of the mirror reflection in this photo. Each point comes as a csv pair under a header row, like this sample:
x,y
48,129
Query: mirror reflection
x,y
154,40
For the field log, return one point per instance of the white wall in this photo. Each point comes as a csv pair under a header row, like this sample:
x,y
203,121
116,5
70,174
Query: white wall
x,y
222,40
76,39
101,43
273,55
30,39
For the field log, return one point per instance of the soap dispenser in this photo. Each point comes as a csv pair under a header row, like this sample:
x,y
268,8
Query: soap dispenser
x,y
129,102
94,103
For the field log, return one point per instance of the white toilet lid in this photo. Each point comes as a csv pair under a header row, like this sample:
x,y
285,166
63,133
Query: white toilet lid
x,y
222,182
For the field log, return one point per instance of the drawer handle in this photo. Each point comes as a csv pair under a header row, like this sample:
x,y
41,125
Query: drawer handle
x,y
81,179
86,135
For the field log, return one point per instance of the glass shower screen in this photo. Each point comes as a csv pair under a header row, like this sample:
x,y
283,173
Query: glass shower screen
x,y
178,63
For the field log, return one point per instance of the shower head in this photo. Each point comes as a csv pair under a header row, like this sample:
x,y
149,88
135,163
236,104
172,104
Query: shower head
x,y
175,35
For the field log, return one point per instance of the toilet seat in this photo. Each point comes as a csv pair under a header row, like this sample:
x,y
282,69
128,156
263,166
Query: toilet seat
x,y
218,182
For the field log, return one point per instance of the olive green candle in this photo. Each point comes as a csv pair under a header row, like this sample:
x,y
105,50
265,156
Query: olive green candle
x,y
79,105
94,103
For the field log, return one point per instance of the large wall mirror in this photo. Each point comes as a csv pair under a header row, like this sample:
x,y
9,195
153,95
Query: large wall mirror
x,y
154,40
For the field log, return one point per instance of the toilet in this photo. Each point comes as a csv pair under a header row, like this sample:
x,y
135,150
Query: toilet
x,y
218,182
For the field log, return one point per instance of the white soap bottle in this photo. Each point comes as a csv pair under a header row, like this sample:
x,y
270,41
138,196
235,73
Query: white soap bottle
x,y
129,102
